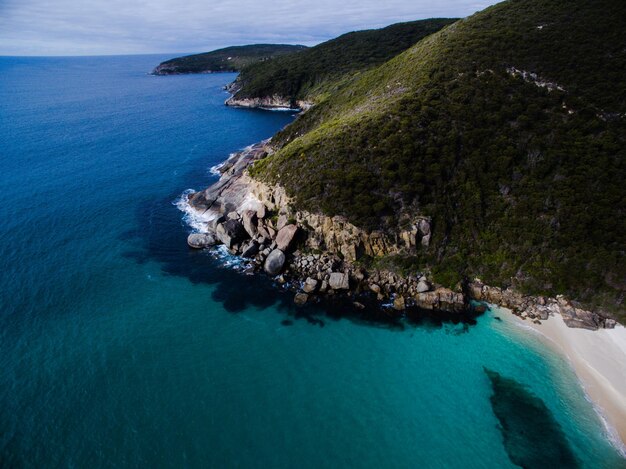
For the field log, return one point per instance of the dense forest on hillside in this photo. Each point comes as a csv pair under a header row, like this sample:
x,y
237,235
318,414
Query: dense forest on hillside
x,y
508,128
312,72
230,59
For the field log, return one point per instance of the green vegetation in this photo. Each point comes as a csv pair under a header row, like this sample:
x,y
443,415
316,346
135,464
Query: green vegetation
x,y
230,59
314,71
524,182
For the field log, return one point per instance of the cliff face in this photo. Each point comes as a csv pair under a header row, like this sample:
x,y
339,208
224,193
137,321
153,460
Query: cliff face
x,y
337,235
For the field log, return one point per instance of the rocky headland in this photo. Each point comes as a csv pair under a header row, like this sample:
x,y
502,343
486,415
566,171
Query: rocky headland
x,y
228,59
320,255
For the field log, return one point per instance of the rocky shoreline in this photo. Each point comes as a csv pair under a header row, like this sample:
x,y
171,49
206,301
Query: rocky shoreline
x,y
319,255
268,102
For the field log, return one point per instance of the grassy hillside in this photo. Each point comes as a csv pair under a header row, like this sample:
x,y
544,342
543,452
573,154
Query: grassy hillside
x,y
230,59
508,128
314,70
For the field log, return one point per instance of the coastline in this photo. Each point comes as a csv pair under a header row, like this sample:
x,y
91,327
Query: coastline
x,y
595,346
598,359
254,219
268,103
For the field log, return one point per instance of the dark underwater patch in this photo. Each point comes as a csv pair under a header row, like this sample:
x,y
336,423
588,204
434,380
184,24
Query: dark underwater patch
x,y
163,238
532,436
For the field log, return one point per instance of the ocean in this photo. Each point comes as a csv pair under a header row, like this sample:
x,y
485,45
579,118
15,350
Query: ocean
x,y
121,347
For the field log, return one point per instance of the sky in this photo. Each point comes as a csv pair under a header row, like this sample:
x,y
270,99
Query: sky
x,y
100,27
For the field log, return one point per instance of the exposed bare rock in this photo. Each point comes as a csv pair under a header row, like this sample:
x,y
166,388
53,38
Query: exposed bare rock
x,y
578,317
286,236
201,240
310,284
275,262
360,275
231,232
282,222
232,190
268,102
250,221
476,291
399,303
238,206
263,231
422,286
249,249
339,281
442,299
300,299
539,307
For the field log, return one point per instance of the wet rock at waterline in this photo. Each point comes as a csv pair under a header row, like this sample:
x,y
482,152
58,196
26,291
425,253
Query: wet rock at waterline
x,y
231,232
300,299
201,240
275,262
339,281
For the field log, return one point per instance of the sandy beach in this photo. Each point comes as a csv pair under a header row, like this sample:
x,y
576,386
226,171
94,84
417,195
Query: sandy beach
x,y
599,360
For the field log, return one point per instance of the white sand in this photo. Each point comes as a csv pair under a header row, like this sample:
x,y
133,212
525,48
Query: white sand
x,y
599,360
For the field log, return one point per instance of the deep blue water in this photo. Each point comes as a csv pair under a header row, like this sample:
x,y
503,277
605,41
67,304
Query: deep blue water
x,y
119,347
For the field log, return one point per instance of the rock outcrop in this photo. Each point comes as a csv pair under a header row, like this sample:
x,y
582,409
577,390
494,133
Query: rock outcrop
x,y
275,262
250,222
201,240
256,221
268,102
539,308
339,281
300,299
336,234
231,232
310,284
286,236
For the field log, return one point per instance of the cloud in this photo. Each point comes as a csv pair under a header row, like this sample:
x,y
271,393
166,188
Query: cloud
x,y
91,27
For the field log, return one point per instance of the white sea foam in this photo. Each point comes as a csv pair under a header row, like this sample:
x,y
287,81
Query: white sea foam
x,y
281,109
195,219
227,259
215,170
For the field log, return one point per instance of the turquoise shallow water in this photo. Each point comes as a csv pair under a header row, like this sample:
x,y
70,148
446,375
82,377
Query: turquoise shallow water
x,y
121,348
